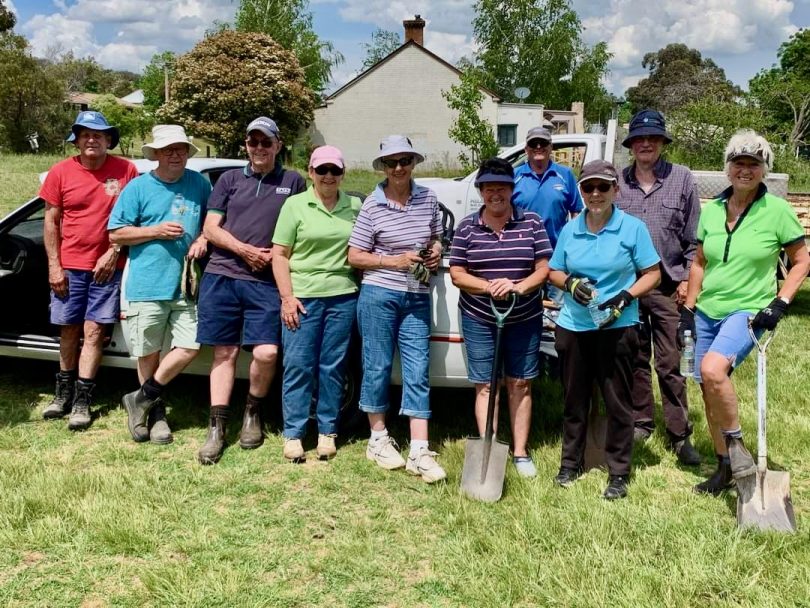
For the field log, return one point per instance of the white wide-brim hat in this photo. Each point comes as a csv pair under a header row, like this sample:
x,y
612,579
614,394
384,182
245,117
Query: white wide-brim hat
x,y
396,144
166,135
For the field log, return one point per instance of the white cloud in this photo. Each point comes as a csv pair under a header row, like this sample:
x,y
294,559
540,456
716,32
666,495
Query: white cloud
x,y
10,7
48,32
131,57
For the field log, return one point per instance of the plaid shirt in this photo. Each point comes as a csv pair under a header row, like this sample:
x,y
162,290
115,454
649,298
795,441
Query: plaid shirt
x,y
670,210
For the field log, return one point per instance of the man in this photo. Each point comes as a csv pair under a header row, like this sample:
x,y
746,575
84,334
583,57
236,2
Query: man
x,y
84,267
159,216
664,195
239,302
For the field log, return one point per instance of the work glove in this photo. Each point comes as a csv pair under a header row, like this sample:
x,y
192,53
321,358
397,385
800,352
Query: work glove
x,y
579,289
420,271
615,306
768,317
686,323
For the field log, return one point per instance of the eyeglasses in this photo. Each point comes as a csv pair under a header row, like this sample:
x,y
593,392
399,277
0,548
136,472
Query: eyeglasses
x,y
179,151
601,186
330,169
264,143
392,163
536,144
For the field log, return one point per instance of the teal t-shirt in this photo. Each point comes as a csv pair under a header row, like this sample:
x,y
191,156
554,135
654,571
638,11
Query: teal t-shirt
x,y
740,272
155,267
319,240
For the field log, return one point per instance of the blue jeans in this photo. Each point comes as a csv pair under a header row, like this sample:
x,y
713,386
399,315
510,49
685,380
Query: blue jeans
x,y
520,349
315,356
390,319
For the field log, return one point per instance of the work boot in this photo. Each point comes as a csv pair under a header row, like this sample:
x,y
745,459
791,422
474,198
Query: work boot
x,y
617,487
720,481
137,405
251,435
640,434
211,451
686,453
293,450
62,397
326,446
159,431
742,463
80,412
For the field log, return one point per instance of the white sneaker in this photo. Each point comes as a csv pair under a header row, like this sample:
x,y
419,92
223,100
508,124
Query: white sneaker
x,y
293,450
423,463
524,465
385,452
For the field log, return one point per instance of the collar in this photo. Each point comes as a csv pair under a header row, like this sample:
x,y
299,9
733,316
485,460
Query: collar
x,y
314,201
762,190
518,215
526,169
277,170
614,223
379,192
661,169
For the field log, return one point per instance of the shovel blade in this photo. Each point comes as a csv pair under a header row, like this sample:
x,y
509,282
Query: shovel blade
x,y
763,502
595,439
489,487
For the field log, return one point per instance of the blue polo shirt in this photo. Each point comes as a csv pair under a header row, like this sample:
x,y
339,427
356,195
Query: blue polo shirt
x,y
552,195
611,258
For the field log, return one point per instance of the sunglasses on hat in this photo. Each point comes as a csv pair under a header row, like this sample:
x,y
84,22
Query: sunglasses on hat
x,y
601,186
330,169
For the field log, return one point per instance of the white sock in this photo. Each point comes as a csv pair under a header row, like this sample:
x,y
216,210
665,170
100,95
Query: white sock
x,y
418,444
375,435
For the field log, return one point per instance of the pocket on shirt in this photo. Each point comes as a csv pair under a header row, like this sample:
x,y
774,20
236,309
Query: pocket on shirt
x,y
674,216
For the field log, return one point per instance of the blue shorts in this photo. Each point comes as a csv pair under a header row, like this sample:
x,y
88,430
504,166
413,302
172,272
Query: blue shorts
x,y
728,337
237,311
87,300
520,349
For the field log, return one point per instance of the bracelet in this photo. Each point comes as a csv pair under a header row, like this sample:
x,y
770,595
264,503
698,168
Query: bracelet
x,y
381,264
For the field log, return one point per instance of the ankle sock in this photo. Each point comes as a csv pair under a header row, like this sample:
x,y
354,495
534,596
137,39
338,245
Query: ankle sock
x,y
733,433
375,435
417,445
152,388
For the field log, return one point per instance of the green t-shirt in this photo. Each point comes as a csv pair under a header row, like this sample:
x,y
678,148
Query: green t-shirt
x,y
740,273
319,240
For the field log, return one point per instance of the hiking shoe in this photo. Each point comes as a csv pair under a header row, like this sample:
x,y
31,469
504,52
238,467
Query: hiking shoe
x,y
385,452
212,449
640,434
742,463
62,400
137,405
617,487
720,481
326,446
80,412
686,453
566,477
423,463
524,466
293,450
159,431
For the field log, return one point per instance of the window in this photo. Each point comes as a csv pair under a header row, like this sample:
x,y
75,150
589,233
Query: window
x,y
507,135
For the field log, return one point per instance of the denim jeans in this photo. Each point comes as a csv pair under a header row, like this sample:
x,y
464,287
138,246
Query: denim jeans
x,y
390,319
315,356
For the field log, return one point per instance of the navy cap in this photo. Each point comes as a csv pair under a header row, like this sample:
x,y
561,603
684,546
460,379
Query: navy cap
x,y
95,121
489,178
264,125
647,122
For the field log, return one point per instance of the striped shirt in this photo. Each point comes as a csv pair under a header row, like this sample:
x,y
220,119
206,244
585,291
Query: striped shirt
x,y
385,227
510,254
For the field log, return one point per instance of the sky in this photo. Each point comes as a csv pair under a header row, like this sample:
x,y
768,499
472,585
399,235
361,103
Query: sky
x,y
741,36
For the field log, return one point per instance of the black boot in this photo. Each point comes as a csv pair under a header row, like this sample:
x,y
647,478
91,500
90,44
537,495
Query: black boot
x,y
251,436
742,463
62,396
80,412
720,481
211,451
159,431
686,453
616,488
138,405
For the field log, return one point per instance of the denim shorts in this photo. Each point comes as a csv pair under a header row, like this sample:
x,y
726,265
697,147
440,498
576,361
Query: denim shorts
x,y
87,300
728,337
237,311
520,349
150,323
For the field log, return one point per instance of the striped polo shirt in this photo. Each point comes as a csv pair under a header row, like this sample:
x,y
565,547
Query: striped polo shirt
x,y
385,227
510,254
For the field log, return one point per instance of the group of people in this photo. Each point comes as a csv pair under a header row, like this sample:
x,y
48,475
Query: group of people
x,y
628,255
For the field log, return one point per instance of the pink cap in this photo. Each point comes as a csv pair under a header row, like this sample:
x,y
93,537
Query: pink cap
x,y
326,155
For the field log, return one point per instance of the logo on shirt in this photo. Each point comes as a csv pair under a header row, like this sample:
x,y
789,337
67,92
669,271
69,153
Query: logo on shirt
x,y
281,190
112,187
559,187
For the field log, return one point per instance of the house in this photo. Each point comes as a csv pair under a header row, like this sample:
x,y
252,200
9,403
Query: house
x,y
80,101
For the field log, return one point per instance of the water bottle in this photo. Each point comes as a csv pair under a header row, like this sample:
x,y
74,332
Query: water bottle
x,y
688,355
597,316
186,214
413,283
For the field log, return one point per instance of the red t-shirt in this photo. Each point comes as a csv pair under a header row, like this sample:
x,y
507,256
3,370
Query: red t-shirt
x,y
86,198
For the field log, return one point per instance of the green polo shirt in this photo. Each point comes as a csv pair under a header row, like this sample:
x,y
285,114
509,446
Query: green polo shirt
x,y
319,239
740,273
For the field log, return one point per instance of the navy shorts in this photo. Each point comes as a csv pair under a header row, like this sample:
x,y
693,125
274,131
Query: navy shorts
x,y
237,311
520,349
87,300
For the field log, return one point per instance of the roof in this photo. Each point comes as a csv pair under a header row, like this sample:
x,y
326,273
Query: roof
x,y
89,99
135,97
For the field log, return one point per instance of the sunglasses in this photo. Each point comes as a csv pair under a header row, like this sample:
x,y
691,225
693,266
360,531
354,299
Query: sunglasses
x,y
601,186
536,144
264,143
392,163
330,169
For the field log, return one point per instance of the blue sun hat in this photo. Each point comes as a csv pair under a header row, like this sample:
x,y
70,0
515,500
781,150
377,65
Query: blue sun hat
x,y
647,122
95,121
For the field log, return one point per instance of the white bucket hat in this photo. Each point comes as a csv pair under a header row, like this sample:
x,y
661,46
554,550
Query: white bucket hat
x,y
166,135
396,144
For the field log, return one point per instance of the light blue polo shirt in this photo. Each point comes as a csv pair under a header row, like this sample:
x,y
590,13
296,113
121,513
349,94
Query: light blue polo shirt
x,y
552,195
611,258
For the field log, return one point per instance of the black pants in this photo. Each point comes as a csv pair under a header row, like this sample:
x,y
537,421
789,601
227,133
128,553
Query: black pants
x,y
605,357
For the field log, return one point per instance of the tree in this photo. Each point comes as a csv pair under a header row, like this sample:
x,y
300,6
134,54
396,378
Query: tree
x,y
383,43
153,79
87,75
289,23
469,129
7,19
230,78
679,75
537,44
131,122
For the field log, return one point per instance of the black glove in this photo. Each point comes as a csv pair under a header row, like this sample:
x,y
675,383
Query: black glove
x,y
579,289
768,317
616,306
686,323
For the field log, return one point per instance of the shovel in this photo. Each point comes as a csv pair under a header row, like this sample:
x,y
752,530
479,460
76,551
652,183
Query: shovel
x,y
763,499
596,437
485,457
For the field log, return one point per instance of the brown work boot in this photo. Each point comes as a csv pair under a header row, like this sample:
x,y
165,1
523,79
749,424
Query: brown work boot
x,y
720,481
211,451
159,431
62,396
138,406
326,446
251,435
742,463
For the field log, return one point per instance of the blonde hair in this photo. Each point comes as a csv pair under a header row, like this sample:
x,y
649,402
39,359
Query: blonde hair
x,y
748,143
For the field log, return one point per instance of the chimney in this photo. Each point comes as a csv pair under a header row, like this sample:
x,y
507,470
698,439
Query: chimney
x,y
415,30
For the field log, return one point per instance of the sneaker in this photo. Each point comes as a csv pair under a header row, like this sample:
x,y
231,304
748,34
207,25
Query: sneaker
x,y
640,435
617,487
524,466
80,417
293,450
62,398
385,452
423,463
686,453
326,446
566,477
159,431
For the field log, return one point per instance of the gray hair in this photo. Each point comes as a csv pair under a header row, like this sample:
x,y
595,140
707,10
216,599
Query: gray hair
x,y
746,142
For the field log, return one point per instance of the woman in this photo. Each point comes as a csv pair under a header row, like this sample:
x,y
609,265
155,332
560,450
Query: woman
x,y
612,250
733,279
497,251
396,238
318,300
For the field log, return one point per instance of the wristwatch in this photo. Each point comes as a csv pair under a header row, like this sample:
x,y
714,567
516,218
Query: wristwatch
x,y
117,249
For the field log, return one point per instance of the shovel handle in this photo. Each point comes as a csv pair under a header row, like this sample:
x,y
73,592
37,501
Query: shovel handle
x,y
762,395
762,343
500,316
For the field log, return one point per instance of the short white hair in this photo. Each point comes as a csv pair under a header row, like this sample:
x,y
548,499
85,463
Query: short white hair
x,y
746,142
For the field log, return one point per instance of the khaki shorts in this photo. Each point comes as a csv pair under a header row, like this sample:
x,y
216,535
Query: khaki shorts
x,y
151,324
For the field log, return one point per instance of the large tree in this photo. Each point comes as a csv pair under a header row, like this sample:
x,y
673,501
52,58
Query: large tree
x,y
383,43
154,77
7,19
230,78
88,76
677,76
469,129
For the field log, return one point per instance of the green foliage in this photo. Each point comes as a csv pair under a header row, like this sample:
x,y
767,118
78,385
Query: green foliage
x,y
153,79
383,43
7,19
468,128
87,76
679,75
230,78
132,123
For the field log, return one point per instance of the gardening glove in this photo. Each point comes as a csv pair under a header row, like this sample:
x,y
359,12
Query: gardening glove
x,y
615,306
768,317
579,288
686,323
420,271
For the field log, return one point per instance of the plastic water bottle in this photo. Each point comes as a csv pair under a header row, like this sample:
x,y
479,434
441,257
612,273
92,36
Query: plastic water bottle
x,y
597,316
186,214
688,355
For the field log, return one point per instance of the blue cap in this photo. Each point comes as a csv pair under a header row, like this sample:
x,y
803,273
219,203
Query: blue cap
x,y
489,178
95,121
264,125
647,122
